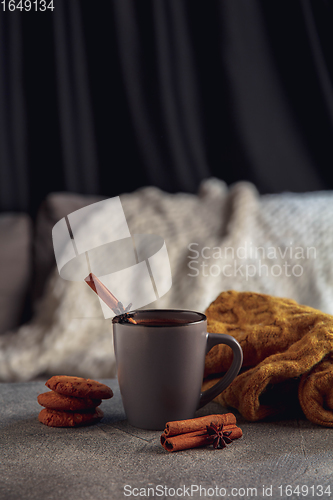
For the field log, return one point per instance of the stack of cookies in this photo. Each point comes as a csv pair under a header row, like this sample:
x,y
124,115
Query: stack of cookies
x,y
72,402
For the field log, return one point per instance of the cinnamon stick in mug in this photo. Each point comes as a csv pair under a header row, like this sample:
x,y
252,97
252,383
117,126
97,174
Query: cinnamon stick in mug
x,y
104,294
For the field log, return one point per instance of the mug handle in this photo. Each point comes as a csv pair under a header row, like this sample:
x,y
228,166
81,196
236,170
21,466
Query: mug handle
x,y
221,338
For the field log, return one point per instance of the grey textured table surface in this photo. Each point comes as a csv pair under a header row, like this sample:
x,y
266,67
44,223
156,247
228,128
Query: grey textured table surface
x,y
112,460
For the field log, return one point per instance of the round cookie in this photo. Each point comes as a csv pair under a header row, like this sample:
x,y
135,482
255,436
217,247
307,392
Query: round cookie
x,y
79,387
54,418
55,401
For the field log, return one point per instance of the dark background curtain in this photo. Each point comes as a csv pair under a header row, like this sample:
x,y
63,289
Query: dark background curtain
x,y
105,97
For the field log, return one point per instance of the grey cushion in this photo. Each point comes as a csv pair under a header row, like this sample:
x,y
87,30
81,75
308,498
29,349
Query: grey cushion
x,y
54,208
15,267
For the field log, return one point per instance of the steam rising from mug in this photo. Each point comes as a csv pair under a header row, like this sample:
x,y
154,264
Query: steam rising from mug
x,y
120,260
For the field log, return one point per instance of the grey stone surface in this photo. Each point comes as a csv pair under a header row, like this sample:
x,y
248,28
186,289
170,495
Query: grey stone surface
x,y
97,462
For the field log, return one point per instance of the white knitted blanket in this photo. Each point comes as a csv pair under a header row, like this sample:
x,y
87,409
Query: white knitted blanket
x,y
223,238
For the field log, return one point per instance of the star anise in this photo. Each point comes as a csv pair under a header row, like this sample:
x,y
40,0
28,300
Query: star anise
x,y
125,318
217,437
120,310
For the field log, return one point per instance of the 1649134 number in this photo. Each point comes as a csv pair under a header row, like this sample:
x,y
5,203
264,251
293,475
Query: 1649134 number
x,y
304,491
27,5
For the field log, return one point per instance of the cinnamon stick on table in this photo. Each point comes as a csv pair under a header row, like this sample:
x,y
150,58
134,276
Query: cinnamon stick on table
x,y
196,424
196,439
193,433
108,298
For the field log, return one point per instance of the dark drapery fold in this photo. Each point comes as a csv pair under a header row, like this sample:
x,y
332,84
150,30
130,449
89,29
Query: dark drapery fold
x,y
266,123
164,92
321,64
165,114
75,109
14,190
178,97
133,60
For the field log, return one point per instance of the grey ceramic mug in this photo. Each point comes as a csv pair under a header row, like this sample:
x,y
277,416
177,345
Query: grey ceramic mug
x,y
160,365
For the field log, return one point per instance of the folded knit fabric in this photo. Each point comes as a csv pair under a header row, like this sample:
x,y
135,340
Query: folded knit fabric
x,y
288,350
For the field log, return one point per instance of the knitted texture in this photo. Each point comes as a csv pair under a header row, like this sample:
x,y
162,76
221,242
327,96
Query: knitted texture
x,y
315,393
281,341
211,237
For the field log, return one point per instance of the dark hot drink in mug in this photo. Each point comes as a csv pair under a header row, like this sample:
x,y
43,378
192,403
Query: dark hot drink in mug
x,y
160,365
